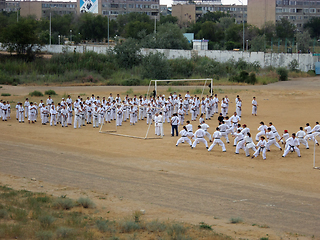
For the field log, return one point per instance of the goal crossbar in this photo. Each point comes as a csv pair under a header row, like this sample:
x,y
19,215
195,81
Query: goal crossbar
x,y
179,80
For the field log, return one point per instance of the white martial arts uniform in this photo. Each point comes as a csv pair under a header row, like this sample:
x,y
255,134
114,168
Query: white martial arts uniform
x,y
184,138
205,127
249,145
261,148
272,140
292,145
216,140
262,131
254,107
301,135
199,137
241,142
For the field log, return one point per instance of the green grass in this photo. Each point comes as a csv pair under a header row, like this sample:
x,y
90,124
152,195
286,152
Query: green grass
x,y
50,92
5,94
28,215
203,225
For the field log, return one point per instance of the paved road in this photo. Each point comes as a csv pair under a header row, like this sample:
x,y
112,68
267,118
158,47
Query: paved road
x,y
297,213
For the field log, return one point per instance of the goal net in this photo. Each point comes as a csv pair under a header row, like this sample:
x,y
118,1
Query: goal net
x,y
188,84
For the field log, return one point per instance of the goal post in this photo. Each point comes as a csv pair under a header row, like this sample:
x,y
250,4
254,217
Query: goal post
x,y
314,153
182,80
137,130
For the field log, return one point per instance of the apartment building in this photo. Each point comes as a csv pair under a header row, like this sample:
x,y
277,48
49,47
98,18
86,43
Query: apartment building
x,y
187,13
297,12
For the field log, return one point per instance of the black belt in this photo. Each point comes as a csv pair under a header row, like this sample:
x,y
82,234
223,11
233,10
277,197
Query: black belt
x,y
271,138
310,133
199,137
222,131
184,136
189,131
217,138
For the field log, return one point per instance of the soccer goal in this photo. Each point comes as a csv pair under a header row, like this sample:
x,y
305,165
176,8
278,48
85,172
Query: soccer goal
x,y
314,154
204,85
140,130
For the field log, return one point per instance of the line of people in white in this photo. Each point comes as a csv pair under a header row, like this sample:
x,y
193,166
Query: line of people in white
x,y
265,138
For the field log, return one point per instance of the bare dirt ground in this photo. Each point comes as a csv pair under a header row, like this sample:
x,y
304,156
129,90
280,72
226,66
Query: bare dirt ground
x,y
125,174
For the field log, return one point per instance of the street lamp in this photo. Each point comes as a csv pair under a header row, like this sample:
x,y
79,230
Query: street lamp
x,y
108,26
70,35
247,44
50,27
59,39
242,25
18,9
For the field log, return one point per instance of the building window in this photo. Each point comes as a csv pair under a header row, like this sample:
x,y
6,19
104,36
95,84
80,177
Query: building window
x,y
306,10
292,3
312,10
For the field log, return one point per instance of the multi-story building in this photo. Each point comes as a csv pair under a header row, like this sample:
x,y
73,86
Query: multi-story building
x,y
41,8
297,12
187,13
2,5
110,8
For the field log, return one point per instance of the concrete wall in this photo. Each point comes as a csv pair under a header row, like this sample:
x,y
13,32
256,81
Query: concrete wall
x,y
306,61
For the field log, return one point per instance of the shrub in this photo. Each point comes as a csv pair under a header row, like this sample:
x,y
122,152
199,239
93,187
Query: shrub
x,y
36,94
293,65
150,71
50,92
64,232
44,235
283,74
5,94
46,221
176,230
156,226
86,203
181,67
3,213
129,225
236,220
252,79
203,225
64,203
131,82
104,225
311,72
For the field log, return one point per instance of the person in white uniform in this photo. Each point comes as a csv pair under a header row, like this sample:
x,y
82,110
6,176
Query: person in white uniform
x,y
254,106
301,135
216,140
261,145
292,145
184,137
205,127
271,139
199,137
241,142
249,144
262,130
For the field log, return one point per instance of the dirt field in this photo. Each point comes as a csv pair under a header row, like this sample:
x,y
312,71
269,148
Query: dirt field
x,y
176,182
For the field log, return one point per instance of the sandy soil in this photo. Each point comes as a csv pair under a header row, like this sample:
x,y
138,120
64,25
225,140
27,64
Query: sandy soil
x,y
176,182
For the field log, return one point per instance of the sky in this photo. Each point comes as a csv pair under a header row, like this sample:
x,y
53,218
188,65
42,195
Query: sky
x,y
169,2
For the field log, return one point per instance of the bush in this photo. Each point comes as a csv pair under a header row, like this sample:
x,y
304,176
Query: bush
x,y
64,232
44,235
86,203
5,94
162,69
64,203
131,82
312,72
236,220
50,92
203,225
3,213
129,225
293,65
252,79
104,225
283,74
156,226
46,221
36,94
181,67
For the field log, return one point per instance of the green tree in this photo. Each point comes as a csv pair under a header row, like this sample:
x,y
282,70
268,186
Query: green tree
x,y
92,27
258,43
133,29
313,27
285,29
212,16
303,41
150,71
210,31
168,19
21,37
127,53
269,30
